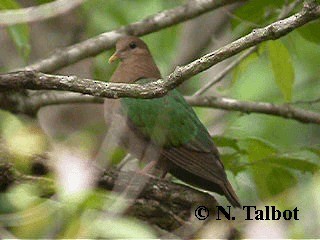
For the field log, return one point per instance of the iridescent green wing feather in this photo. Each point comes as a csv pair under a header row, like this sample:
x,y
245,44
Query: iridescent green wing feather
x,y
167,121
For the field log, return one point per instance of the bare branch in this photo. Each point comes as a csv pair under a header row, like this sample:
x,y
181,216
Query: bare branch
x,y
33,80
39,13
39,81
31,104
105,41
285,110
310,11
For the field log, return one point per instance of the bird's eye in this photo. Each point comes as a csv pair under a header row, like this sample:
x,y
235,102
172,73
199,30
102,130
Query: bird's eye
x,y
133,45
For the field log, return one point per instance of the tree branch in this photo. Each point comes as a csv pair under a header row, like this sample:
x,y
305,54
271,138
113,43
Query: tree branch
x,y
225,71
38,81
30,105
286,10
105,41
285,110
39,13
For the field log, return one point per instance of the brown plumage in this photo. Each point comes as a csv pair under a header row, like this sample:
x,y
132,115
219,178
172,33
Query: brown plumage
x,y
195,161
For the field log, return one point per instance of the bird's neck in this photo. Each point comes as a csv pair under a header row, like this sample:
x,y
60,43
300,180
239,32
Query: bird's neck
x,y
135,68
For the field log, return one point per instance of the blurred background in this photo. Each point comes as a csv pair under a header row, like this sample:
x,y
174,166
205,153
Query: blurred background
x,y
269,160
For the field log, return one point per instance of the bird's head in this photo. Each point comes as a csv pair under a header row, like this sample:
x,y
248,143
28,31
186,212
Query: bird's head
x,y
129,47
136,61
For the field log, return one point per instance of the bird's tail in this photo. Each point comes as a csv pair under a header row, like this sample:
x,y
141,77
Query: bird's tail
x,y
231,195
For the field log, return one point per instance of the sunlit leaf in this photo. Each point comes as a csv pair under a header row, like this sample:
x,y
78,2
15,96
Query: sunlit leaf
x,y
282,68
22,140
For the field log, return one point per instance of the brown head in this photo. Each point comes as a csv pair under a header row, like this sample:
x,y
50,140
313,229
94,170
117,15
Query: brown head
x,y
136,61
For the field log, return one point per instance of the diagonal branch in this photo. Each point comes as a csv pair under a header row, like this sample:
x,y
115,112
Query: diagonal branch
x,y
105,41
38,81
39,13
284,13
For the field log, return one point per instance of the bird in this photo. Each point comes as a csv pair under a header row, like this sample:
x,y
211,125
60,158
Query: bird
x,y
163,132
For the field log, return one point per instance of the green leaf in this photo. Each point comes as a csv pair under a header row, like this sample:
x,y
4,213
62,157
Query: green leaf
x,y
311,32
278,180
20,33
293,163
258,149
232,162
222,141
254,13
243,66
282,68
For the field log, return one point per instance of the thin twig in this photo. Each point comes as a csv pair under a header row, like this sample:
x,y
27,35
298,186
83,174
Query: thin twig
x,y
224,72
308,102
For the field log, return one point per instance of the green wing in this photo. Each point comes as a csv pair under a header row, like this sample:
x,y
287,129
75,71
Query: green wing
x,y
168,121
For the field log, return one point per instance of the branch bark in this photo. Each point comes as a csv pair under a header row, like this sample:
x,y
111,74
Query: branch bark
x,y
39,13
30,105
285,110
38,81
105,41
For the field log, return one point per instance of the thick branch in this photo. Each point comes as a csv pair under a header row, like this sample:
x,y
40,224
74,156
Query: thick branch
x,y
105,41
33,80
284,13
310,11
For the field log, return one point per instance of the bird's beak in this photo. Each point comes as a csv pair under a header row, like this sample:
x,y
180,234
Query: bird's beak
x,y
114,57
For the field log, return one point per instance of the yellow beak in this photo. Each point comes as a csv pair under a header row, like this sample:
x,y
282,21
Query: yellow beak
x,y
113,58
